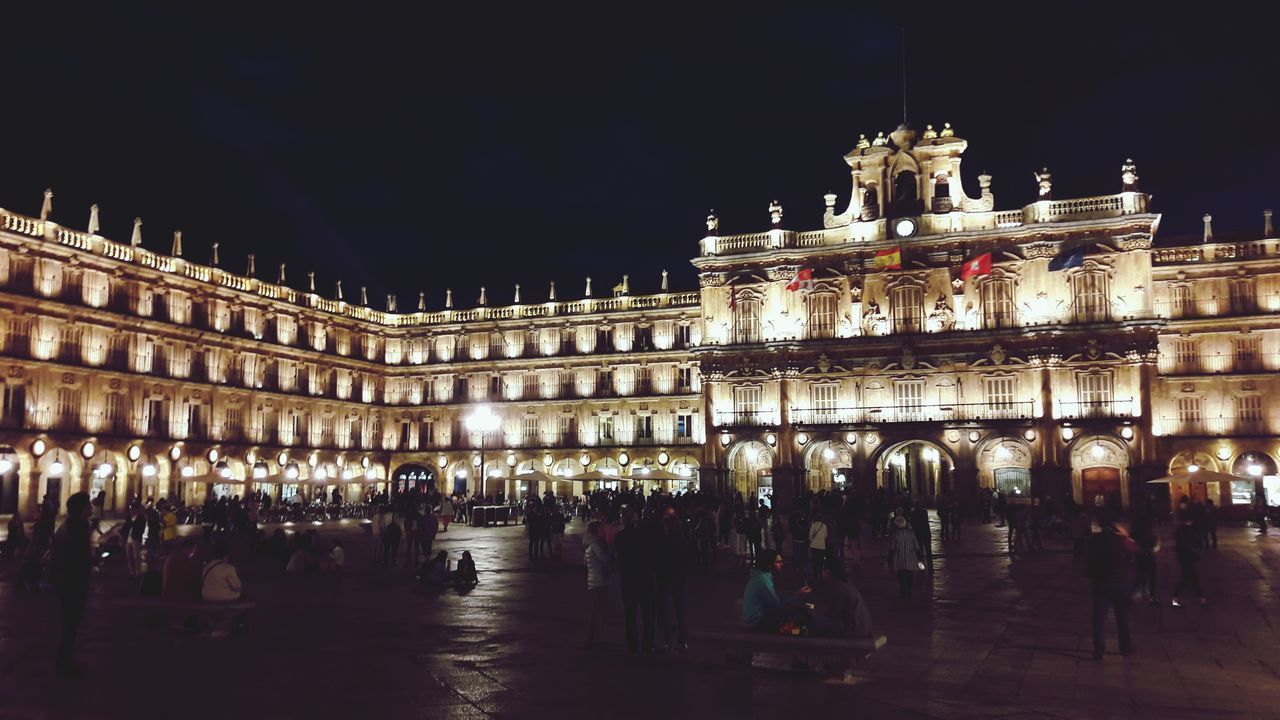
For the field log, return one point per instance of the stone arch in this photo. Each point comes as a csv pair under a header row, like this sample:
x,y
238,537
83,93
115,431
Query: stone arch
x,y
11,489
824,461
1004,463
1100,471
59,472
751,464
925,469
1186,458
409,476
1253,464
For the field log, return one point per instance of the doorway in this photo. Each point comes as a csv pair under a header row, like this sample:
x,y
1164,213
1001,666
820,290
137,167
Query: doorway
x,y
1100,487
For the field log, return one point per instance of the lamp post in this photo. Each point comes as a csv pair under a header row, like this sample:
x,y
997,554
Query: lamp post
x,y
483,421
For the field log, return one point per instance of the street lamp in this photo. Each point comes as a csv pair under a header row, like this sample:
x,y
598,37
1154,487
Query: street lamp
x,y
482,421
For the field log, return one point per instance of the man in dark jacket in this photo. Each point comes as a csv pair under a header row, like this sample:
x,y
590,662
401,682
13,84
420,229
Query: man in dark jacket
x,y
72,562
634,549
1108,554
674,549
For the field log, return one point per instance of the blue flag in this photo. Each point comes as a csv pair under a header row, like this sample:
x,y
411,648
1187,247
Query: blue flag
x,y
1067,259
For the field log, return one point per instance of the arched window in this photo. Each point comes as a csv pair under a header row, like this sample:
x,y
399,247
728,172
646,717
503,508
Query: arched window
x,y
998,308
822,315
908,309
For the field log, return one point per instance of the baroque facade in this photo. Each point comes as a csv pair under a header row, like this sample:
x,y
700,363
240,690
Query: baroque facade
x,y
1085,359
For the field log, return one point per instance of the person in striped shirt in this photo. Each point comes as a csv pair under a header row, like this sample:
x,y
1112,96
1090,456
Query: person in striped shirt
x,y
904,555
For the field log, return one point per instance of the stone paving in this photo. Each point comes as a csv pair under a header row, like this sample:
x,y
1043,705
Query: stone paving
x,y
990,636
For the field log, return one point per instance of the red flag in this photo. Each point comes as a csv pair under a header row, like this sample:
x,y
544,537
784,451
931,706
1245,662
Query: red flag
x,y
890,259
980,265
802,281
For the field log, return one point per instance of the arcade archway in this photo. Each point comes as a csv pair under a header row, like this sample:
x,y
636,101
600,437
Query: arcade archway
x,y
828,465
412,476
751,469
918,468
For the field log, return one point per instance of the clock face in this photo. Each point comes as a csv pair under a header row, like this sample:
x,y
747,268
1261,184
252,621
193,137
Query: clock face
x,y
905,227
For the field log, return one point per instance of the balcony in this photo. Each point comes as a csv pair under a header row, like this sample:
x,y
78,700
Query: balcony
x,y
956,412
1217,427
746,418
1218,363
1191,308
1097,409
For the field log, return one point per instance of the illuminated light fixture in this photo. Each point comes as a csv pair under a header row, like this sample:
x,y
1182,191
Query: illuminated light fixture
x,y
259,471
475,461
829,454
148,470
38,447
370,474
213,455
88,449
56,467
547,460
6,467
320,474
752,454
1126,432
1255,470
771,439
663,458
1224,453
282,459
898,459
224,472
1029,435
348,475
931,454
342,459
313,459
1002,453
974,436
188,471
585,459
251,457
511,461
1097,451
724,439
291,471
1193,468
623,458
175,453
106,470
461,474
851,438
442,462
802,438
1068,433
364,461
133,453
904,227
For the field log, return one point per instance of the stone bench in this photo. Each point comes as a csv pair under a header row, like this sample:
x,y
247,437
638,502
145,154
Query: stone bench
x,y
839,654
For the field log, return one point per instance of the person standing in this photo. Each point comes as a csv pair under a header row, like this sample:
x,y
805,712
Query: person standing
x,y
799,537
428,526
634,549
904,555
1145,536
133,546
924,534
1108,554
596,558
72,563
1186,548
818,533
672,572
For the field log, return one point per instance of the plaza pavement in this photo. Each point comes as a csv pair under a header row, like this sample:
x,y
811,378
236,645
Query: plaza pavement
x,y
989,637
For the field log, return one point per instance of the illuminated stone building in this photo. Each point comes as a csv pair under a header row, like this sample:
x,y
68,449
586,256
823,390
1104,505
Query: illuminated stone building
x,y
802,362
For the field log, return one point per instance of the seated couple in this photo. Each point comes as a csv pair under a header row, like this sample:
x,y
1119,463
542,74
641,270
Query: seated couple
x,y
838,609
436,572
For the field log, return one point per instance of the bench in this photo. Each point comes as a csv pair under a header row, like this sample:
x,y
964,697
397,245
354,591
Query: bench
x,y
218,616
839,654
487,515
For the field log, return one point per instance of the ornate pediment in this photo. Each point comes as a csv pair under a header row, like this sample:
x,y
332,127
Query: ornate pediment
x,y
1139,241
1044,249
713,279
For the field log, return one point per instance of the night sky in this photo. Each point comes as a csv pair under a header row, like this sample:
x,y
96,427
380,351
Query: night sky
x,y
421,148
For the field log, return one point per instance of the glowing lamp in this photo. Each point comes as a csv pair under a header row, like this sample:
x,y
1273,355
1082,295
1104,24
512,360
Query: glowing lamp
x,y
88,449
148,471
133,453
188,471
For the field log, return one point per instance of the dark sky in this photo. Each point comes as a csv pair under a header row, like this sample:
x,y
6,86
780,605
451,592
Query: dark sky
x,y
459,145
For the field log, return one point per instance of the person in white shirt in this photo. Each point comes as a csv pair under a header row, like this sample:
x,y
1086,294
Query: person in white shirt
x,y
338,555
817,544
220,581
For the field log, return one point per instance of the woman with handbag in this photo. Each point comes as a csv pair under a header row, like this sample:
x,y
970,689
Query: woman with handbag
x,y
904,555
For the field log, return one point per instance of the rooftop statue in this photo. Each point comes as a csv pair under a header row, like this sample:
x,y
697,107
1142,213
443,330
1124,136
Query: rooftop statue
x,y
1044,179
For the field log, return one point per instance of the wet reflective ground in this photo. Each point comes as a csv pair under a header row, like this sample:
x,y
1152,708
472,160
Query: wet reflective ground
x,y
990,636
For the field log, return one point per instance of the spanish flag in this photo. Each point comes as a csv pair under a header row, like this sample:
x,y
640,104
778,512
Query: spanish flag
x,y
890,259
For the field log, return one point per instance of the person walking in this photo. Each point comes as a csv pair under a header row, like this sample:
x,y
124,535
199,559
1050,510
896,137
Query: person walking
x,y
799,522
1186,548
904,555
596,559
137,525
634,550
71,565
1108,554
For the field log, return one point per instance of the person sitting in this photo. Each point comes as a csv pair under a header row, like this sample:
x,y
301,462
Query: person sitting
x,y
465,577
839,610
182,573
337,555
220,581
435,572
762,608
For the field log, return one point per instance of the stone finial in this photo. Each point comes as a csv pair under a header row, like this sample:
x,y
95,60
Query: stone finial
x,y
517,295
984,183
93,219
588,292
713,223
551,295
829,201
1044,179
176,250
863,142
136,239
626,284
775,213
1129,176
214,260
391,304
947,131
250,270
311,282
929,132
1208,227
364,296
280,275
448,299
665,286
483,298
1266,224
47,206
880,140
338,290
422,302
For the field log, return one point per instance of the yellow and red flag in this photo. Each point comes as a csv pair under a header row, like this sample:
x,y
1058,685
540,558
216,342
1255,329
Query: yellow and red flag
x,y
890,259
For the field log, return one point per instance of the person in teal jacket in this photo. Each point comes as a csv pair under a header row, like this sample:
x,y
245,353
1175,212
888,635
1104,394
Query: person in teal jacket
x,y
762,608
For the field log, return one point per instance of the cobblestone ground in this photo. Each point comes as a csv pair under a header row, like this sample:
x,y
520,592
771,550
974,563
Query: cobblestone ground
x,y
990,636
